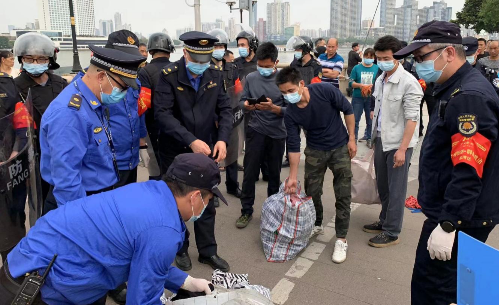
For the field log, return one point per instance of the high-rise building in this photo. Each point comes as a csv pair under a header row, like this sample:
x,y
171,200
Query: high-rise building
x,y
54,15
30,25
106,27
254,16
127,26
37,24
260,29
278,17
345,18
387,12
230,29
368,23
220,24
410,19
118,21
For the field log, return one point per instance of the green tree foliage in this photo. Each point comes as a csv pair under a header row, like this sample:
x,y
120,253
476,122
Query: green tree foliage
x,y
489,15
479,15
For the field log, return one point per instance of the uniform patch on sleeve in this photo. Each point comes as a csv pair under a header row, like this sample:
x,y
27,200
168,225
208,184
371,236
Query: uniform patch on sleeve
x,y
472,150
467,124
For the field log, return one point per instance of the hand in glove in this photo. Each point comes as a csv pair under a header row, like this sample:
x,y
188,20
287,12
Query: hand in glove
x,y
440,244
143,153
196,285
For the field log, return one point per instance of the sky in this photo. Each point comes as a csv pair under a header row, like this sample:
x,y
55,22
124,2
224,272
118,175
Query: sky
x,y
155,15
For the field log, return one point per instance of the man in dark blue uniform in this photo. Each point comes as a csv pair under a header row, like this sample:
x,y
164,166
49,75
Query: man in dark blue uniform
x,y
458,172
189,93
117,240
160,46
77,145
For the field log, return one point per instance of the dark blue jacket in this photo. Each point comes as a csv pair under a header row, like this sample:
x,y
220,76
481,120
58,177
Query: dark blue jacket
x,y
458,173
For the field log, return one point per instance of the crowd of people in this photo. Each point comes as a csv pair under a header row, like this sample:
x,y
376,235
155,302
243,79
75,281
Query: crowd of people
x,y
108,235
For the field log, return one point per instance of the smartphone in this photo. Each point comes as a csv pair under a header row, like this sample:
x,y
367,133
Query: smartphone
x,y
252,101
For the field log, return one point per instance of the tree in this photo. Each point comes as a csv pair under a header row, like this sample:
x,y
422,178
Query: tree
x,y
4,43
479,15
489,15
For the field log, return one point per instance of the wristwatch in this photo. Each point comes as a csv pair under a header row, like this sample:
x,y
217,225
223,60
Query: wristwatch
x,y
447,226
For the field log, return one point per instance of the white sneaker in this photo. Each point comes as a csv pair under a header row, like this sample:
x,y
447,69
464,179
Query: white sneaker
x,y
317,230
339,252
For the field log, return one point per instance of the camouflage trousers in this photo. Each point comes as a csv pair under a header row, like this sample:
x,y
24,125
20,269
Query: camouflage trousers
x,y
339,162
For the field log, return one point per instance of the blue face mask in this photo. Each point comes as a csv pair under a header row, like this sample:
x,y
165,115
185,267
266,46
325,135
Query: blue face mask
x,y
471,59
194,217
298,55
386,65
293,98
218,54
35,69
116,95
243,52
197,68
265,71
368,61
426,71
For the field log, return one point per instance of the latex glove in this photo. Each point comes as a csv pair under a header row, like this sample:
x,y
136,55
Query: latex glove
x,y
440,244
143,153
196,285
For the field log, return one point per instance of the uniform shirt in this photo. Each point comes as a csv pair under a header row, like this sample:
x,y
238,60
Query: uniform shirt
x,y
311,71
320,118
458,166
265,122
105,240
76,157
126,126
245,67
195,82
335,63
363,75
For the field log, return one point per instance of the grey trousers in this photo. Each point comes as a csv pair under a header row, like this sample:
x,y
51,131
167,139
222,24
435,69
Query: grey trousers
x,y
392,184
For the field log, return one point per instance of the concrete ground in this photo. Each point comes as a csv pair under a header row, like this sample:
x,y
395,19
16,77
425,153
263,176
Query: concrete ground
x,y
368,276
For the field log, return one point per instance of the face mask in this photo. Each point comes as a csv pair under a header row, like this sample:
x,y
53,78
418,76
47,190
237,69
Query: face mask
x,y
116,95
35,69
195,218
243,52
197,68
471,59
426,71
218,54
293,98
368,61
298,55
386,65
265,71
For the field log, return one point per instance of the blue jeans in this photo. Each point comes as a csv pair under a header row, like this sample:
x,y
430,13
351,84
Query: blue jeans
x,y
358,105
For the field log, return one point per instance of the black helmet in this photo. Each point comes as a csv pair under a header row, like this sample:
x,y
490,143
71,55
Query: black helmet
x,y
221,36
303,43
160,42
253,41
34,43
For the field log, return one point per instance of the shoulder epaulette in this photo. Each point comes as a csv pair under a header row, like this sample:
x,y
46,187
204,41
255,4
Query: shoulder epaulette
x,y
171,68
455,92
75,101
216,67
2,74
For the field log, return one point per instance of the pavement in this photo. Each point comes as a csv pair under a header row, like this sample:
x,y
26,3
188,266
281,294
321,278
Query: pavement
x,y
368,276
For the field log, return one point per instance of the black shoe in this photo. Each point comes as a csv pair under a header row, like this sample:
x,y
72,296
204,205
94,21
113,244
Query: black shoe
x,y
183,262
265,178
215,262
236,193
240,168
375,227
216,202
119,295
286,163
383,240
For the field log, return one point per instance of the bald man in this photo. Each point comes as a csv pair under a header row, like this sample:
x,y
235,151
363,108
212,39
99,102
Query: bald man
x,y
331,62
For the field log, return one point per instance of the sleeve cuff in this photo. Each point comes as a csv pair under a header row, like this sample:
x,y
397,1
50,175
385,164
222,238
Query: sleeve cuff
x,y
175,279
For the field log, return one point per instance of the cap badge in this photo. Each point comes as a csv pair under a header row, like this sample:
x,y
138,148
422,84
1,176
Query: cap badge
x,y
130,40
203,42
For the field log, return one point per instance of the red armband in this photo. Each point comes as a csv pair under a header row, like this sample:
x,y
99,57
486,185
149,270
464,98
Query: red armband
x,y
470,150
315,80
22,118
237,86
422,84
144,101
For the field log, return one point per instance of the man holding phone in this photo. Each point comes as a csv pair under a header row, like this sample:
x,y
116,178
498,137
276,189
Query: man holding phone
x,y
266,133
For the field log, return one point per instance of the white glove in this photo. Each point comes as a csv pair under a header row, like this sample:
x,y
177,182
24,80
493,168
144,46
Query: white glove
x,y
196,285
143,153
440,244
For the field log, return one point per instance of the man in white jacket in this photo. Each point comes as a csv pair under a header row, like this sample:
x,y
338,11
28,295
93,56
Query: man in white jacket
x,y
395,132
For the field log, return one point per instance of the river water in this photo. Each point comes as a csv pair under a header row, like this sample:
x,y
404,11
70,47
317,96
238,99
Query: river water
x,y
65,58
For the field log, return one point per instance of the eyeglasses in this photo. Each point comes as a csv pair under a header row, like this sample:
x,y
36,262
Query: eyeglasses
x,y
41,60
121,86
420,59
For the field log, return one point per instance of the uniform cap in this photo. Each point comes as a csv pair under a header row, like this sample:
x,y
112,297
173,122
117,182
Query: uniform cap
x,y
198,171
432,32
199,45
123,64
124,41
470,45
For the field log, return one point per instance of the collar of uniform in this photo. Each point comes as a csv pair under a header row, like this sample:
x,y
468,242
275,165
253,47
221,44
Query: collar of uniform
x,y
88,95
161,59
465,68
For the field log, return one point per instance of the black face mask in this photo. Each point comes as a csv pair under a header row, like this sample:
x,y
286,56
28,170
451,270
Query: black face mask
x,y
319,50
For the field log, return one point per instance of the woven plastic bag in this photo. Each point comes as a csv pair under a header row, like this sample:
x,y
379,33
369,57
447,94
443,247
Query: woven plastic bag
x,y
364,183
286,224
